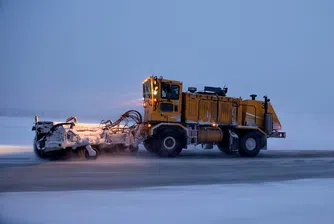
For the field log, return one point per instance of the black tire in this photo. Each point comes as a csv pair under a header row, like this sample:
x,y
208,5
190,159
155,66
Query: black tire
x,y
223,145
149,146
169,143
40,154
250,144
225,150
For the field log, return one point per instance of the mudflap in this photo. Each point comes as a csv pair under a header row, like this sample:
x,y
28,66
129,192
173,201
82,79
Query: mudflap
x,y
234,141
265,144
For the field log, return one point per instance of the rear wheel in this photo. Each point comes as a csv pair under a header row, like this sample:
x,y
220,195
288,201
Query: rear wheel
x,y
225,150
169,143
223,145
250,144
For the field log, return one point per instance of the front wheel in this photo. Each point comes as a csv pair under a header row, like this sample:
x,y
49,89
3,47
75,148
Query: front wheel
x,y
250,144
169,143
149,146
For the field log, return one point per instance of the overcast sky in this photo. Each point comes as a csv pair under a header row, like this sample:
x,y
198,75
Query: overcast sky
x,y
92,55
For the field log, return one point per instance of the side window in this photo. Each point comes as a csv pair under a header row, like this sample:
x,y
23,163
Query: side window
x,y
147,90
170,91
164,91
144,91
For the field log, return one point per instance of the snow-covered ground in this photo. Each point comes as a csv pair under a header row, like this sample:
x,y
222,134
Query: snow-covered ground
x,y
303,201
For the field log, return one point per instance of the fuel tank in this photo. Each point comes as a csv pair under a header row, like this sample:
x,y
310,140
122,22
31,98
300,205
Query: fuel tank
x,y
209,134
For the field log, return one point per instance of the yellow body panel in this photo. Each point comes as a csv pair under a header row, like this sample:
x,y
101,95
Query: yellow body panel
x,y
200,108
253,111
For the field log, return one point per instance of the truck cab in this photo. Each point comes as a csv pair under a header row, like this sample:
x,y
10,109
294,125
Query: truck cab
x,y
162,100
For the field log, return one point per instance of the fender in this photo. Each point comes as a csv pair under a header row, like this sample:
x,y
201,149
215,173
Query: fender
x,y
153,128
253,128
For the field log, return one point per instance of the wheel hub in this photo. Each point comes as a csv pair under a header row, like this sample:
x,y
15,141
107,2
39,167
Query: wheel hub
x,y
169,143
250,144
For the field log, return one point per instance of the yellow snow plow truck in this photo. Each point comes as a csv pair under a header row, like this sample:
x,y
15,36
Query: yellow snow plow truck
x,y
174,119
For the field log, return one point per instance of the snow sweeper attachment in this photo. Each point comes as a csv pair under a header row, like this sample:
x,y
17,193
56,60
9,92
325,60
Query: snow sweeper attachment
x,y
86,140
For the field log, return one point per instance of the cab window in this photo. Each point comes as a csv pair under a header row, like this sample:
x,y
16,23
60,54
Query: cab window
x,y
169,91
147,89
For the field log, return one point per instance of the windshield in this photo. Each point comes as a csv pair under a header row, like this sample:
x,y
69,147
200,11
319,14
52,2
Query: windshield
x,y
147,89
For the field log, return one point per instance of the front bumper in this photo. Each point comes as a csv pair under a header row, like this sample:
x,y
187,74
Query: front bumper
x,y
278,134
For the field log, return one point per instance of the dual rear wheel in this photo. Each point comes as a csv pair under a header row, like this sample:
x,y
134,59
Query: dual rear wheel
x,y
250,144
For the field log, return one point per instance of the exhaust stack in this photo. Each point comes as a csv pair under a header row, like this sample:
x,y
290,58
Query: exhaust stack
x,y
268,117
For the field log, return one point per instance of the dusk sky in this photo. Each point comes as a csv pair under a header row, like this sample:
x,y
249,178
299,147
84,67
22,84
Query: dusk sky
x,y
80,55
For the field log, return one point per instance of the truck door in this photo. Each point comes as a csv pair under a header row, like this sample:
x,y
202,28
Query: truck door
x,y
170,103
